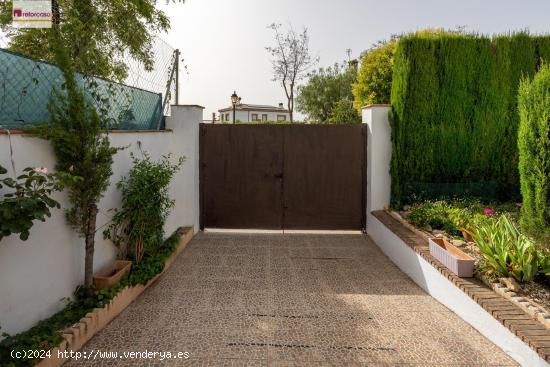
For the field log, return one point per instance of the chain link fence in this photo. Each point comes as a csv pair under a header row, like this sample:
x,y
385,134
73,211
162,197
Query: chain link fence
x,y
139,103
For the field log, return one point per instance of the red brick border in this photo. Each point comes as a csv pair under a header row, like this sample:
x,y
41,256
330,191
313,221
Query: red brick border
x,y
519,322
75,337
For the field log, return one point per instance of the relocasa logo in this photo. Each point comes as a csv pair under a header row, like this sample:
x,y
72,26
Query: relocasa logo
x,y
17,12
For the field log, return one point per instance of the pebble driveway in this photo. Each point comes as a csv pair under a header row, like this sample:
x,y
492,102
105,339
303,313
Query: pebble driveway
x,y
288,300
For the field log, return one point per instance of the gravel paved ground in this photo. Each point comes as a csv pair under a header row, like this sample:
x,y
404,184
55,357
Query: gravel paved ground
x,y
289,300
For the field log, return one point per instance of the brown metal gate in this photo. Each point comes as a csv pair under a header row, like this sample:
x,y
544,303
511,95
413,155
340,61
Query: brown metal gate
x,y
283,176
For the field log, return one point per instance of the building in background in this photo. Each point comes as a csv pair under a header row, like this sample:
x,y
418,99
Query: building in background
x,y
254,112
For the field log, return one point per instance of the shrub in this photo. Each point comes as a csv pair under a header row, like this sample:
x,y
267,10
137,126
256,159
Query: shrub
x,y
534,153
506,251
454,114
145,207
28,198
344,113
435,215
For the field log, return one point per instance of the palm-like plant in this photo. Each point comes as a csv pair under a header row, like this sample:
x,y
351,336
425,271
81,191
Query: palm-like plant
x,y
506,251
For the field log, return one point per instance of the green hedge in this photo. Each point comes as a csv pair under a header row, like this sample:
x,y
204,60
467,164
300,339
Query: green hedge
x,y
454,114
534,153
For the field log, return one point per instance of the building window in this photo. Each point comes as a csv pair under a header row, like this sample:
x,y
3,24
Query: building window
x,y
281,117
221,117
254,117
264,117
226,117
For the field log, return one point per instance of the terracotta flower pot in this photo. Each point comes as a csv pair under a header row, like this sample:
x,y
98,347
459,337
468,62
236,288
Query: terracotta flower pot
x,y
467,235
111,274
452,257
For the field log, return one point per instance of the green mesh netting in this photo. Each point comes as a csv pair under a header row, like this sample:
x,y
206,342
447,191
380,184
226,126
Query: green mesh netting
x,y
26,86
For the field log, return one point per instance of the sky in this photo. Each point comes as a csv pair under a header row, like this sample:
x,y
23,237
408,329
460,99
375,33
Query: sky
x,y
223,42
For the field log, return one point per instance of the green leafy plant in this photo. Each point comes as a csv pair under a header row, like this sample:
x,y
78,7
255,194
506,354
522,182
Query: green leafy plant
x,y
138,227
152,264
433,214
534,154
506,251
47,333
28,198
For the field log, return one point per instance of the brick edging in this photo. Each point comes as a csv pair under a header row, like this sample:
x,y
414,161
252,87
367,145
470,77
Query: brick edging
x,y
75,337
525,326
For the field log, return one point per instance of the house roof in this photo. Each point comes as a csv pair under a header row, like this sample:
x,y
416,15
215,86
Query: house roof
x,y
255,107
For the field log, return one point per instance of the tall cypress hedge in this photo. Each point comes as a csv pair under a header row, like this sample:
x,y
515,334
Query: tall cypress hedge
x,y
534,153
455,114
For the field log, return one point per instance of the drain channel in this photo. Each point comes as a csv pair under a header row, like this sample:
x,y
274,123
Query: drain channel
x,y
286,316
298,316
305,346
323,258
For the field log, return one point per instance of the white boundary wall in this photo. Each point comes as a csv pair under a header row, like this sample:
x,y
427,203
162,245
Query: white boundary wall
x,y
411,263
36,275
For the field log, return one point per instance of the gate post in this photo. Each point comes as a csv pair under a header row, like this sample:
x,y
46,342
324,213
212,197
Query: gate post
x,y
379,150
185,121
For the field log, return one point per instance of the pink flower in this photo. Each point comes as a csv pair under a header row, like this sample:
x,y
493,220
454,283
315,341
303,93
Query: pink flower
x,y
41,170
488,211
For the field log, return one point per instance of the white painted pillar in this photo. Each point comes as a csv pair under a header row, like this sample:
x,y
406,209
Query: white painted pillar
x,y
379,152
185,122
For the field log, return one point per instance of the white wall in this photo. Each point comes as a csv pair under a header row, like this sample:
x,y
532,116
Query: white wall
x,y
35,275
379,152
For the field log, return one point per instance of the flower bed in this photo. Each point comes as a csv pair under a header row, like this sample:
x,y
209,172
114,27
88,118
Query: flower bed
x,y
498,247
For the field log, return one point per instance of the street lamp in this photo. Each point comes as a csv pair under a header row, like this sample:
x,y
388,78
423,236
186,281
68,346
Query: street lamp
x,y
234,99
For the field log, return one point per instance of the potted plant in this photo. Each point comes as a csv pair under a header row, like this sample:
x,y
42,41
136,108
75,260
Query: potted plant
x,y
111,274
452,257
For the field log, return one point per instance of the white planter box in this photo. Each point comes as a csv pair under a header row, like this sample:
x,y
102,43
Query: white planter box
x,y
452,257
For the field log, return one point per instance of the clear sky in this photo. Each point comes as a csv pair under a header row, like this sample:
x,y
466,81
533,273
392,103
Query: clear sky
x,y
223,42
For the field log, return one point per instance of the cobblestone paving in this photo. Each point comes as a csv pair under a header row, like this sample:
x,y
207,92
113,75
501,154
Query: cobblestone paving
x,y
292,300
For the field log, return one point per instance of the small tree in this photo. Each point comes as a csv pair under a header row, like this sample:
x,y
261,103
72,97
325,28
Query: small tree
x,y
534,153
291,60
78,136
324,89
374,78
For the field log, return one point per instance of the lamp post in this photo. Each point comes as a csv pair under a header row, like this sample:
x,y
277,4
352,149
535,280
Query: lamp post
x,y
234,99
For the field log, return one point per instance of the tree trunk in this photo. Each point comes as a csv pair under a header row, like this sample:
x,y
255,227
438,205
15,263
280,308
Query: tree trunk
x,y
290,110
90,244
